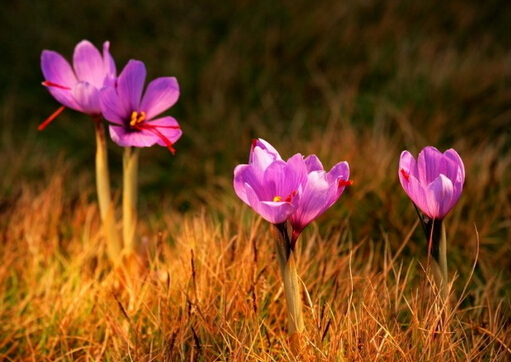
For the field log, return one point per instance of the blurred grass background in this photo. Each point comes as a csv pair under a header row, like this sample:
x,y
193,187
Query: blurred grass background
x,y
349,80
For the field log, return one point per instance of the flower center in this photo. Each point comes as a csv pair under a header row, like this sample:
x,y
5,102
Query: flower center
x,y
287,199
138,122
137,118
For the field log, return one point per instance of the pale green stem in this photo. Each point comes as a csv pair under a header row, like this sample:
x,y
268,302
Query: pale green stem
x,y
287,263
106,206
129,197
440,272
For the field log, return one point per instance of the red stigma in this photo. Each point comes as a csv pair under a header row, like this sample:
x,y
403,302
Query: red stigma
x,y
343,183
50,119
405,174
290,196
149,127
47,83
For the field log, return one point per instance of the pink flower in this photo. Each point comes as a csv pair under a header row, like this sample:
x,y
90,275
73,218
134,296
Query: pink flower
x,y
133,114
78,87
268,184
319,191
434,182
297,189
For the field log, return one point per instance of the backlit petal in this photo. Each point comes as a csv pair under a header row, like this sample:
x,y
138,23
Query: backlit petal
x,y
88,64
111,108
109,68
130,85
161,94
87,97
125,138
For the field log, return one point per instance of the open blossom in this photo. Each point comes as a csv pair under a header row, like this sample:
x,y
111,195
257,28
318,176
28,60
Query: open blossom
x,y
268,184
434,182
78,87
297,189
133,115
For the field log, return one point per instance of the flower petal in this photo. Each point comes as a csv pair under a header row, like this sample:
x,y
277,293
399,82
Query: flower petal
x,y
109,68
317,196
271,211
313,163
88,64
166,127
111,107
428,165
161,94
270,153
407,164
439,197
87,97
130,85
126,137
242,174
57,70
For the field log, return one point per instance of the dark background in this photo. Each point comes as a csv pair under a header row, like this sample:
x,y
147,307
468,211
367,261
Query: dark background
x,y
422,73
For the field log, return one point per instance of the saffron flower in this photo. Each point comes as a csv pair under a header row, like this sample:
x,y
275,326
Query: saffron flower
x,y
320,190
289,193
268,184
434,182
133,115
78,87
298,189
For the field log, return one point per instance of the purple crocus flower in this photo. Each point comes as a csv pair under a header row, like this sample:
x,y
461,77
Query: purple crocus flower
x,y
434,182
320,190
297,189
268,184
78,87
133,114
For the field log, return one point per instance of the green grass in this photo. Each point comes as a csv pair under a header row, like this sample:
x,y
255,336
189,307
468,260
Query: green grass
x,y
354,81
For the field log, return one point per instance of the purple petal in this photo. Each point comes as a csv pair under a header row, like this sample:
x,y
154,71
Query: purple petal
x,y
56,69
428,165
439,196
240,179
161,94
271,211
87,97
408,165
111,107
313,163
130,85
59,73
109,68
88,64
166,127
124,137
317,196
416,192
270,152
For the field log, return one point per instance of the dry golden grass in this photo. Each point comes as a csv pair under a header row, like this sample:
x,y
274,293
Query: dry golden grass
x,y
208,287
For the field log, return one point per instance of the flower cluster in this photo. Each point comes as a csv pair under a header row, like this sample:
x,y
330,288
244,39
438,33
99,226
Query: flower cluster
x,y
91,86
298,190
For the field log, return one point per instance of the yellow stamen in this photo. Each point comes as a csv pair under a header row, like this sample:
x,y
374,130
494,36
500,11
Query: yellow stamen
x,y
277,199
137,118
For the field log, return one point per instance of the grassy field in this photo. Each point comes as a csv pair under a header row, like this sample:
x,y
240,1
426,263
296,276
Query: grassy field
x,y
358,81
